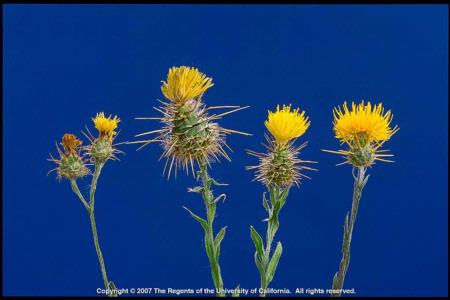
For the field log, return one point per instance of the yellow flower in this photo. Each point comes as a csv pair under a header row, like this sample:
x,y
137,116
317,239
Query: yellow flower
x,y
362,124
185,83
285,125
106,126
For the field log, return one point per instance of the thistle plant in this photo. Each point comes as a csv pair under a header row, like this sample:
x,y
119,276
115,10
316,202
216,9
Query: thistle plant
x,y
278,169
364,129
191,141
74,163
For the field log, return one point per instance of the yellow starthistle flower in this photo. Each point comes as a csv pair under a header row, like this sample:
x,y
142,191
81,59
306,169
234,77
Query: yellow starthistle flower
x,y
363,123
106,126
285,125
364,128
185,83
280,166
101,149
189,133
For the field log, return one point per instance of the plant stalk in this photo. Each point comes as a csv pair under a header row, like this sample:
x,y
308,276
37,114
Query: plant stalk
x,y
98,168
90,207
211,249
339,277
272,228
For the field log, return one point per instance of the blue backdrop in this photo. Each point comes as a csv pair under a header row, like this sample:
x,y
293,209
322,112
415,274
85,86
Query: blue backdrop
x,y
63,64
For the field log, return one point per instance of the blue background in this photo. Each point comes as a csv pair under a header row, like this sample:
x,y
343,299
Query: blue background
x,y
62,64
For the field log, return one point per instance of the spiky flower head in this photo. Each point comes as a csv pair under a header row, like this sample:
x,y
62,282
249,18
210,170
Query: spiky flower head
x,y
101,148
362,124
184,84
280,165
71,164
285,125
364,128
189,133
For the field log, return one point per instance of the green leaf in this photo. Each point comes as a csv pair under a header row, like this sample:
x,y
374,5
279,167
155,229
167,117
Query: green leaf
x,y
346,226
283,196
113,287
197,189
273,194
365,181
209,246
218,240
213,181
200,220
224,196
257,240
266,203
235,294
259,264
271,268
335,278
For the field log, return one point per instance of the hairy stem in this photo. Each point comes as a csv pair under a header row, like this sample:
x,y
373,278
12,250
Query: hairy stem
x,y
98,168
277,199
211,249
76,190
339,277
90,208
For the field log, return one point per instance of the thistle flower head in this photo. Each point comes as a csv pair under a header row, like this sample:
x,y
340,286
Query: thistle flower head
x,y
101,148
185,83
189,133
362,124
364,128
285,125
280,165
106,126
71,164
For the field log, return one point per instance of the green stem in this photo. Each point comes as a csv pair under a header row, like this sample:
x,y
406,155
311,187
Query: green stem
x,y
98,168
339,277
90,208
277,200
76,190
211,249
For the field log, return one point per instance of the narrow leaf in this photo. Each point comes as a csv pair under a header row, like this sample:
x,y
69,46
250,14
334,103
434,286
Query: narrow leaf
x,y
365,181
271,268
266,203
113,288
200,220
213,181
218,240
259,264
224,196
257,240
236,294
197,189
